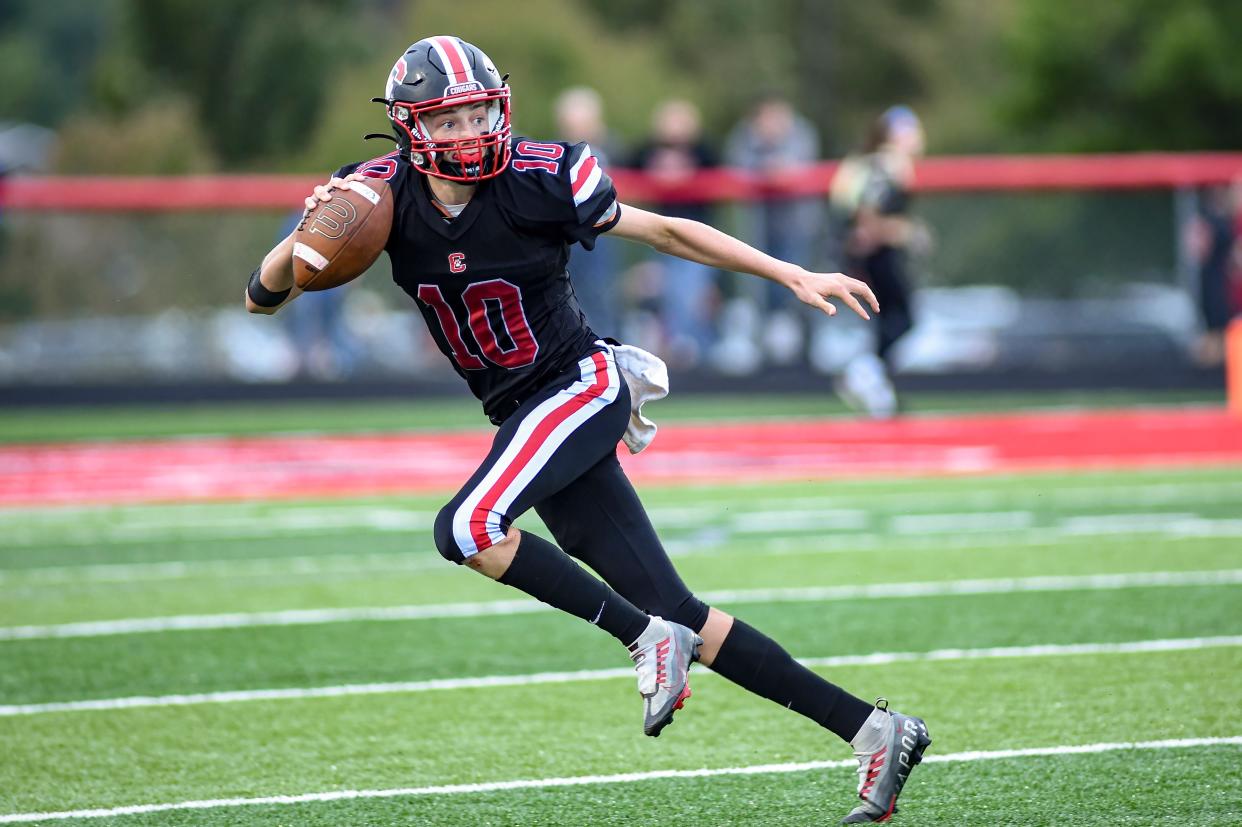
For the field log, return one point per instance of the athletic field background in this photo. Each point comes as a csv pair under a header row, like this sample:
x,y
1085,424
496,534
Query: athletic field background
x,y
234,615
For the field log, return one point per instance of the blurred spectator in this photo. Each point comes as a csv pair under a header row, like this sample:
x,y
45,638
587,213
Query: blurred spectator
x,y
595,273
4,172
674,152
25,147
325,348
1209,241
775,142
870,195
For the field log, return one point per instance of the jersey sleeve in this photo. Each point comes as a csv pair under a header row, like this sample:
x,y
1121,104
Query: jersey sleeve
x,y
594,197
572,191
385,167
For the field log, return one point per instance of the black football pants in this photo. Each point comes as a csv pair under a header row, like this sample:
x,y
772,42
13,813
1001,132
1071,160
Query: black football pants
x,y
885,272
557,454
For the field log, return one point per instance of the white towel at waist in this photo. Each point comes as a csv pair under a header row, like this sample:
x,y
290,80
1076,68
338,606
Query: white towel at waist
x,y
647,376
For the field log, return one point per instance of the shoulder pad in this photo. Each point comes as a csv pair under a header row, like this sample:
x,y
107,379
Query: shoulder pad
x,y
385,167
568,183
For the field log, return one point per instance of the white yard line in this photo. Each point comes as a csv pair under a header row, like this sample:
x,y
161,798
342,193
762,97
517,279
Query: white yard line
x,y
815,520
306,617
1008,585
1177,532
718,519
70,525
414,560
815,541
294,617
1092,524
204,526
619,778
492,681
972,522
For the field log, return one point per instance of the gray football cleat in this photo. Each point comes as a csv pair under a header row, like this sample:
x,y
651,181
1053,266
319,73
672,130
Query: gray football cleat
x,y
883,772
662,656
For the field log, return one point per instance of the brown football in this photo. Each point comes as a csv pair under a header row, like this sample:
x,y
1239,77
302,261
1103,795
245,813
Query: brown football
x,y
343,236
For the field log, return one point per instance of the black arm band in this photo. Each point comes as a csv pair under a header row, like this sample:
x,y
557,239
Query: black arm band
x,y
260,295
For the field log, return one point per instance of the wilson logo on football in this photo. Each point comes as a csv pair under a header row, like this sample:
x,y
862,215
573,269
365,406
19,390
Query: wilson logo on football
x,y
333,217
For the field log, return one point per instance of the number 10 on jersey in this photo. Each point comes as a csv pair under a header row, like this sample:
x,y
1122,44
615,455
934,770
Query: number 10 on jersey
x,y
496,322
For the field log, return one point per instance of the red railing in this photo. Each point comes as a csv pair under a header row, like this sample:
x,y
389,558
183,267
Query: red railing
x,y
942,174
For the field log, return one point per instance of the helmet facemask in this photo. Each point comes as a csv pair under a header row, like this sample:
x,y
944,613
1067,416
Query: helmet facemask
x,y
464,160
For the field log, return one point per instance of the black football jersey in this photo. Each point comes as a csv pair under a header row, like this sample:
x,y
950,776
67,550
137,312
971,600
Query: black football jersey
x,y
492,283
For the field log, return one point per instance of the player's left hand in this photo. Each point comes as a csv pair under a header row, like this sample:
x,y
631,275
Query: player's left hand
x,y
816,288
323,192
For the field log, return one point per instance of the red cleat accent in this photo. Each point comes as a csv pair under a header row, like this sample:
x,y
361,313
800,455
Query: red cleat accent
x,y
681,699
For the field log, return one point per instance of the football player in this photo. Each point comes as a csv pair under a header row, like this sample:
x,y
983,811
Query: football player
x,y
870,195
482,225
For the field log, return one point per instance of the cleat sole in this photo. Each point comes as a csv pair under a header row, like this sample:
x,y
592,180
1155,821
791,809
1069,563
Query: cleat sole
x,y
658,726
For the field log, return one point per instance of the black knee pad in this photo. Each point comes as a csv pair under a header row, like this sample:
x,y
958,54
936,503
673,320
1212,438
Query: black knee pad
x,y
446,543
690,612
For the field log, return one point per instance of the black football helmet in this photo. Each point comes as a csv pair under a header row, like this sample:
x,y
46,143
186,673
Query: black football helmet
x,y
444,71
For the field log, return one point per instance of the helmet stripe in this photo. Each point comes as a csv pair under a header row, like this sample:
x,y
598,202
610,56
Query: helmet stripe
x,y
455,59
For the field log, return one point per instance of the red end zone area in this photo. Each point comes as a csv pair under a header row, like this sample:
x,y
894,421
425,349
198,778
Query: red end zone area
x,y
329,466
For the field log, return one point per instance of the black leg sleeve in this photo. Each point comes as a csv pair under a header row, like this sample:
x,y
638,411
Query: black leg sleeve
x,y
757,663
548,574
600,520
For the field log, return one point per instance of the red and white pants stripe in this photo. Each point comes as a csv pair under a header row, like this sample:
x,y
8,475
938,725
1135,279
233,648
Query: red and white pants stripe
x,y
543,447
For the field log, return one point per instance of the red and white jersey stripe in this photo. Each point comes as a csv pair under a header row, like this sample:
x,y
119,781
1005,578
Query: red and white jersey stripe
x,y
477,522
585,176
454,59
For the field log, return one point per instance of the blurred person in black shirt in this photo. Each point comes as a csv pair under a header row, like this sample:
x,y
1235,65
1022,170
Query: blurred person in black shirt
x,y
1208,239
870,196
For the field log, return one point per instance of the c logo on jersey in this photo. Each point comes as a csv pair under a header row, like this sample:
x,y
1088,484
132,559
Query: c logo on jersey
x,y
326,222
457,262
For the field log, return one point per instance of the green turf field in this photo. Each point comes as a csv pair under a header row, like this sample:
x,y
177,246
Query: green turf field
x,y
319,602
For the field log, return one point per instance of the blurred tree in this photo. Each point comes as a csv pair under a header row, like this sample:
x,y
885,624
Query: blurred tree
x,y
546,46
723,53
254,71
159,138
841,62
1125,75
48,54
